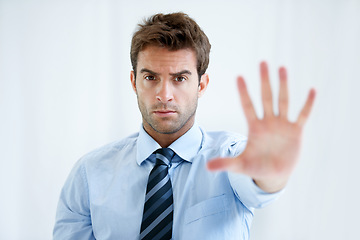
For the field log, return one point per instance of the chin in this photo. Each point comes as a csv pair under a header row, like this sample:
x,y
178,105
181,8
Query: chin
x,y
167,131
170,129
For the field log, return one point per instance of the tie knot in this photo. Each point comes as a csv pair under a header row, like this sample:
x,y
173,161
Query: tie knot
x,y
164,156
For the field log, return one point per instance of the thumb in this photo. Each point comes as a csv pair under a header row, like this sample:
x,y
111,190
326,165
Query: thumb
x,y
225,164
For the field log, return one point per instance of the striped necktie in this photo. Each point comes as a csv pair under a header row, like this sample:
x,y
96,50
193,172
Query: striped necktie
x,y
158,209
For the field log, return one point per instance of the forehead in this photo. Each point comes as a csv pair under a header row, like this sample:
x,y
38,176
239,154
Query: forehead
x,y
160,59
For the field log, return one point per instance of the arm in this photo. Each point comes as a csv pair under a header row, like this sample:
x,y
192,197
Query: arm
x,y
274,142
73,220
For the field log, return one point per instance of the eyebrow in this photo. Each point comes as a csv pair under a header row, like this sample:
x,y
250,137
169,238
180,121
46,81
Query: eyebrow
x,y
181,73
172,74
148,71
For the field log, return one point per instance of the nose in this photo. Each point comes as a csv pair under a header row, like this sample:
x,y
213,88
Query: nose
x,y
165,92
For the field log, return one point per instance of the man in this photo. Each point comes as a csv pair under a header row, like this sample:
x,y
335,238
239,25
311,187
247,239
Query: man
x,y
173,179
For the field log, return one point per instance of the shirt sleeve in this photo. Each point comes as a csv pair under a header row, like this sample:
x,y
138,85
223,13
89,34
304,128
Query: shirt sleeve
x,y
244,187
73,220
249,193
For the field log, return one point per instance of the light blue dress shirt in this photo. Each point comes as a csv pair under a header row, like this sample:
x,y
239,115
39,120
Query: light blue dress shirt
x,y
103,197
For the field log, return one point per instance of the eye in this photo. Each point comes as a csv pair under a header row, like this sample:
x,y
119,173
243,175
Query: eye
x,y
150,78
180,79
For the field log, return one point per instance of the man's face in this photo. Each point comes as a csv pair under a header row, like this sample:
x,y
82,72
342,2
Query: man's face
x,y
167,88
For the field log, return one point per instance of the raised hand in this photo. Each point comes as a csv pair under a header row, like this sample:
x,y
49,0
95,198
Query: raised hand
x,y
274,142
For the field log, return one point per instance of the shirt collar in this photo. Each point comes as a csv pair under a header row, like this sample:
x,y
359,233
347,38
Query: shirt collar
x,y
186,146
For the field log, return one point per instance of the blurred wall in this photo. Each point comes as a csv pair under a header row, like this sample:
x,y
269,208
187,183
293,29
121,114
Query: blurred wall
x,y
65,90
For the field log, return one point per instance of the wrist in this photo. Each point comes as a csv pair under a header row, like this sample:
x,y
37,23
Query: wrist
x,y
271,185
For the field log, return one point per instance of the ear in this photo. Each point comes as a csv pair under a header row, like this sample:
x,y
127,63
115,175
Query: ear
x,y
204,81
133,82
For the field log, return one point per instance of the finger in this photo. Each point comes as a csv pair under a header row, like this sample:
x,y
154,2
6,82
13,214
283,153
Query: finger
x,y
246,102
283,93
225,164
305,112
266,90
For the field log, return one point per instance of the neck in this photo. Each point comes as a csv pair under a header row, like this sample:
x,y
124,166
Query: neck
x,y
164,139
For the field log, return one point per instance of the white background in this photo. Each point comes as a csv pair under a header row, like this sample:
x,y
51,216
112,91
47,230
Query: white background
x,y
65,90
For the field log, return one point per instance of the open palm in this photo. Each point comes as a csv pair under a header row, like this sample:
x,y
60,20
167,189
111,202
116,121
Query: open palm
x,y
274,142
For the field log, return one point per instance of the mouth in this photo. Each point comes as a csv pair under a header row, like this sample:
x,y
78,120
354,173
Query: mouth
x,y
164,113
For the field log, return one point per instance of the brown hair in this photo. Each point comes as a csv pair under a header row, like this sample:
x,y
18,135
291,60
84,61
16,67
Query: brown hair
x,y
173,31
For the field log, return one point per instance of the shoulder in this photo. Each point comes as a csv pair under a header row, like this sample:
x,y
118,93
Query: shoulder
x,y
224,137
111,150
224,142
